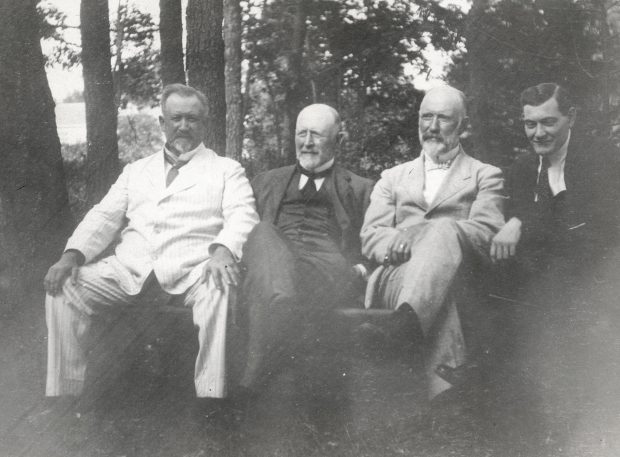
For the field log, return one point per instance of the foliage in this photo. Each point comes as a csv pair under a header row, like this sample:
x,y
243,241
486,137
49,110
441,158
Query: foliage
x,y
52,28
136,73
520,43
138,136
353,58
76,96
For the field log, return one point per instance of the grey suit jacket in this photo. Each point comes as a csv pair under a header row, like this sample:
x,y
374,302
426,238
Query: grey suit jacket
x,y
350,196
471,195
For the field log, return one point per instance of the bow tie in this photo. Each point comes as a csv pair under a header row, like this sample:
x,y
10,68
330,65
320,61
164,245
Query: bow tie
x,y
313,175
439,166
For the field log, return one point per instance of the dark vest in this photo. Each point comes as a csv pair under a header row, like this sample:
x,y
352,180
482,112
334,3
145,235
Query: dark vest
x,y
309,224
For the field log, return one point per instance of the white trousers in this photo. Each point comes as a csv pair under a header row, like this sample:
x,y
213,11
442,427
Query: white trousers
x,y
97,289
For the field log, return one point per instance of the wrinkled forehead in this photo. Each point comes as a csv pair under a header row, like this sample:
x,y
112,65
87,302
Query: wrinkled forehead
x,y
444,102
177,103
317,119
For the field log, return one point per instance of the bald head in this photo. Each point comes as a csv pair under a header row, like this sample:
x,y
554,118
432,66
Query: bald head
x,y
317,135
443,117
447,96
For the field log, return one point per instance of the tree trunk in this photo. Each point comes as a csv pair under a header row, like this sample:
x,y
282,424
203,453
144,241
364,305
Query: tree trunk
x,y
118,58
34,211
478,90
296,91
205,65
232,58
171,37
102,154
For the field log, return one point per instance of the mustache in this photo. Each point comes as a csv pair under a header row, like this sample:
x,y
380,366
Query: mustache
x,y
430,136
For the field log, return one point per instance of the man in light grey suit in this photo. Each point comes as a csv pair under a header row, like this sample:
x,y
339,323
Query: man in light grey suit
x,y
181,216
426,218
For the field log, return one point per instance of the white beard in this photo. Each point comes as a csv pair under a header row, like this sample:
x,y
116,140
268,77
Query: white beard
x,y
182,145
434,149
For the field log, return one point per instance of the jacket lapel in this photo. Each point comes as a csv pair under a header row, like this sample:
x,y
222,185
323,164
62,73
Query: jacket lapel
x,y
415,183
338,186
194,171
454,181
273,199
154,172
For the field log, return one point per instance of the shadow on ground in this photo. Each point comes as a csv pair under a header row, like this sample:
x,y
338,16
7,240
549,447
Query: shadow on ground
x,y
349,403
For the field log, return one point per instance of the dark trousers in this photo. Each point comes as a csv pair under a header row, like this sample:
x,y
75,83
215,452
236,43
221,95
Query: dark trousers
x,y
289,292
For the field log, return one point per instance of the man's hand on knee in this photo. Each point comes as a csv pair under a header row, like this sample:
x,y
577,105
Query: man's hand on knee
x,y
399,249
222,267
68,265
504,244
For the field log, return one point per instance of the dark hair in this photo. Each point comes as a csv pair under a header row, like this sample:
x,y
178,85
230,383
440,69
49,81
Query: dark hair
x,y
183,91
539,94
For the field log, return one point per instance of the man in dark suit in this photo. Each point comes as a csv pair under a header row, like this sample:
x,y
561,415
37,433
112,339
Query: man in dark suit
x,y
563,194
305,252
557,249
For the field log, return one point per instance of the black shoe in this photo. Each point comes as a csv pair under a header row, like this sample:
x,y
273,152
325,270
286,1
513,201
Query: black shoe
x,y
369,336
404,329
461,376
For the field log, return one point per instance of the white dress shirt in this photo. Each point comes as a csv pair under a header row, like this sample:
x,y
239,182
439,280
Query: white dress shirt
x,y
318,182
557,161
435,173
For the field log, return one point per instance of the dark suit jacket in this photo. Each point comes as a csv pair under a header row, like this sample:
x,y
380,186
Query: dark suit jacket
x,y
590,226
350,196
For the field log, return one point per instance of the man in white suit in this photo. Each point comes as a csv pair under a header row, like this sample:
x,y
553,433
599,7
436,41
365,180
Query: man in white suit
x,y
181,217
427,219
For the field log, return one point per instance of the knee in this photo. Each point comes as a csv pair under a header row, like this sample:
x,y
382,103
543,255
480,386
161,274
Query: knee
x,y
262,230
260,238
445,225
445,229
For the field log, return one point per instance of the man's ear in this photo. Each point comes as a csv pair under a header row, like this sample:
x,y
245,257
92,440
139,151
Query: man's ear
x,y
464,125
161,121
572,116
341,137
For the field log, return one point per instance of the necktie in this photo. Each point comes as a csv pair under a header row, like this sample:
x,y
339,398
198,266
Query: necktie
x,y
543,190
309,188
175,165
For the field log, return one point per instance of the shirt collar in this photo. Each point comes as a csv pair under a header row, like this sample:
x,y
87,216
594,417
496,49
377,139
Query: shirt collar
x,y
186,156
559,156
429,164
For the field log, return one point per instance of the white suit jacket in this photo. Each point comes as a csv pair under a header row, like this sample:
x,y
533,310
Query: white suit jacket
x,y
169,230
